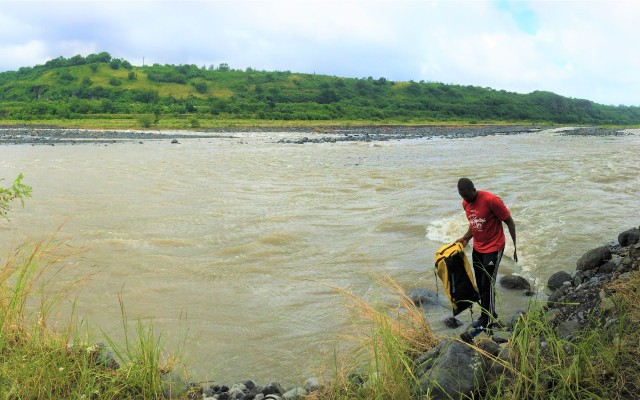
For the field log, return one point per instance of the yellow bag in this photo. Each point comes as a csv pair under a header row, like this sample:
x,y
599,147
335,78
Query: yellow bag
x,y
453,268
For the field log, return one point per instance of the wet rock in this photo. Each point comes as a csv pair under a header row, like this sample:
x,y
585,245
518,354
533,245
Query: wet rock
x,y
272,388
568,328
452,322
556,280
421,297
451,369
515,282
312,385
629,237
594,258
295,394
607,267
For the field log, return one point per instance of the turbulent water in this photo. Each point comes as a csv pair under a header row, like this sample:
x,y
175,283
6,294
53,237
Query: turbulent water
x,y
233,247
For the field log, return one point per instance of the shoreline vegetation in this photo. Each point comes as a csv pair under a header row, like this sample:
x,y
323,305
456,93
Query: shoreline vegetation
x,y
580,342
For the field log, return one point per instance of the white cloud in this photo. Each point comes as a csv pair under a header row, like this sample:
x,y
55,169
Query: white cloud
x,y
574,48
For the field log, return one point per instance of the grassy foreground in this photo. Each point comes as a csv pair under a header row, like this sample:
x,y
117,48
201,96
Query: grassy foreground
x,y
41,358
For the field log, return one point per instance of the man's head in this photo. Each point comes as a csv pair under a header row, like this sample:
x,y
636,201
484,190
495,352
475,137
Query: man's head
x,y
466,190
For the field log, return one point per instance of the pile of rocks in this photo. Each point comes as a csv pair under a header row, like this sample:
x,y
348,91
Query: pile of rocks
x,y
175,387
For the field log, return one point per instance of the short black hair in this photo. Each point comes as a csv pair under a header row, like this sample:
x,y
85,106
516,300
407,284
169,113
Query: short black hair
x,y
465,183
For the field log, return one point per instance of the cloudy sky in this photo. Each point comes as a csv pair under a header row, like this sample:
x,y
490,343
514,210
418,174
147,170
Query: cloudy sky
x,y
586,49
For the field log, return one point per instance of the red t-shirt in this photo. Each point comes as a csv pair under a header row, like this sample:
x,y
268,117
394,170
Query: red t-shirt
x,y
485,215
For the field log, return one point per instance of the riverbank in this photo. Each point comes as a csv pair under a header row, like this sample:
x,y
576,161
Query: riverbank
x,y
51,135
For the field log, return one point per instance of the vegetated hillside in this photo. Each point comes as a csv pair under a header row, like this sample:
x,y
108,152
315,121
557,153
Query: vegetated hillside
x,y
99,85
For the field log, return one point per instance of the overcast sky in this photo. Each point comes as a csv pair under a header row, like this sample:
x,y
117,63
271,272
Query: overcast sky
x,y
587,49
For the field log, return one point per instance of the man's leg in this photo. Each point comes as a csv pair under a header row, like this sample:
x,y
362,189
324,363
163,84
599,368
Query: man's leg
x,y
485,269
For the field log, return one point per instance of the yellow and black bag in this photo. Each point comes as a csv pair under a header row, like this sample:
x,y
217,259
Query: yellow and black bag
x,y
453,268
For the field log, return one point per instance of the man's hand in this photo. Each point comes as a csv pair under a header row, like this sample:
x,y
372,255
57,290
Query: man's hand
x,y
463,241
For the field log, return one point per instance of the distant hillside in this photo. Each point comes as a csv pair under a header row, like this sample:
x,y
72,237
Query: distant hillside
x,y
100,86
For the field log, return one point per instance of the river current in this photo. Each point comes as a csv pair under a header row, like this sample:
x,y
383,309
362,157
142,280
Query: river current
x,y
234,246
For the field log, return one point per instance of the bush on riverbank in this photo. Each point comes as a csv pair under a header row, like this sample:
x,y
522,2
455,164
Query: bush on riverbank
x,y
39,360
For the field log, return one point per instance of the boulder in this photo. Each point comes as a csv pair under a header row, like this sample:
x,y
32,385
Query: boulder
x,y
515,282
452,369
295,394
629,237
594,258
452,322
422,297
556,280
272,388
312,385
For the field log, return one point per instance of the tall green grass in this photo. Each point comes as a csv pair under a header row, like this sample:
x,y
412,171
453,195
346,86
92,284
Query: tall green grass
x,y
387,339
42,357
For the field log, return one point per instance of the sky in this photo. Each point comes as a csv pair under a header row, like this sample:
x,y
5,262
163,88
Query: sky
x,y
584,49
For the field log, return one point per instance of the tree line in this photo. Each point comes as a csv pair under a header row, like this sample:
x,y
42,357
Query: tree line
x,y
97,84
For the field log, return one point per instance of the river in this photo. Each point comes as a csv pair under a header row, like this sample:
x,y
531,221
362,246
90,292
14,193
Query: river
x,y
233,246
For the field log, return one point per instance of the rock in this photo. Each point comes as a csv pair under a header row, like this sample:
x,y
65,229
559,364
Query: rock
x,y
173,386
312,385
272,388
452,322
422,297
238,390
295,394
452,370
629,237
515,282
556,280
568,328
555,296
607,267
594,258
500,337
249,384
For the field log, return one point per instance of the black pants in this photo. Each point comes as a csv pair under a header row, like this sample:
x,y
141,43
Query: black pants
x,y
485,269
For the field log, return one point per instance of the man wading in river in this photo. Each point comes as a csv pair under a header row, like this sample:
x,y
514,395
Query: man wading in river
x,y
486,212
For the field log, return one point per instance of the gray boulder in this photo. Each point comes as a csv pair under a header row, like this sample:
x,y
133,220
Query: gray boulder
x,y
295,394
272,388
312,385
629,237
594,258
421,297
556,280
452,369
515,282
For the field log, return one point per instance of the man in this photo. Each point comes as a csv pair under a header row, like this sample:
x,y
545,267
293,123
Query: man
x,y
486,212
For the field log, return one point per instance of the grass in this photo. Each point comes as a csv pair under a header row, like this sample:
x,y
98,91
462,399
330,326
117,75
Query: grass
x,y
40,359
602,362
387,339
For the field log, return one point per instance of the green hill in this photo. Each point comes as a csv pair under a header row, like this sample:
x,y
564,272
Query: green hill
x,y
100,87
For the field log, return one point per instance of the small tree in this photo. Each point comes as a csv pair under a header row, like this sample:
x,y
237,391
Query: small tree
x,y
17,191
